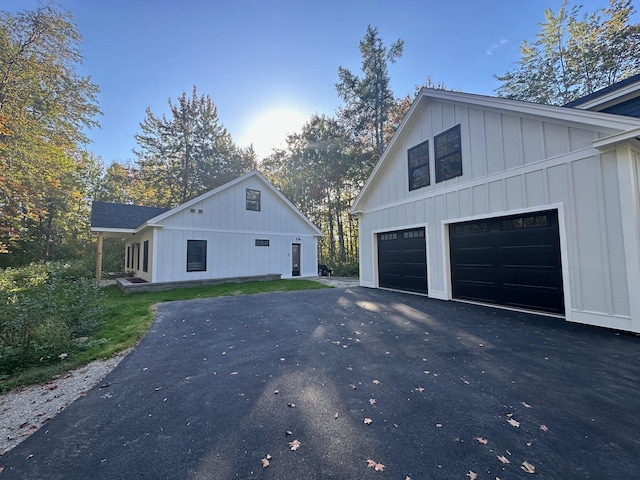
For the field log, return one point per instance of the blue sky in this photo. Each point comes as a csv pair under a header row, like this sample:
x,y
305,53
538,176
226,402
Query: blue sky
x,y
270,65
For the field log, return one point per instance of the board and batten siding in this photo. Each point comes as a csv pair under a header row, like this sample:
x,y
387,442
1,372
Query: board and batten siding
x,y
511,164
231,231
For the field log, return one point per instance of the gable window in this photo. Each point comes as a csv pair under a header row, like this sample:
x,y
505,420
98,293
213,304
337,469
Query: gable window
x,y
262,243
196,255
448,153
253,200
418,158
145,256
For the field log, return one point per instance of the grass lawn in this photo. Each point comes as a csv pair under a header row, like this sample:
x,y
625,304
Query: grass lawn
x,y
127,318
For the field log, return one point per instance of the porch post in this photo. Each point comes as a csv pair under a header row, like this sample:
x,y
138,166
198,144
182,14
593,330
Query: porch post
x,y
99,258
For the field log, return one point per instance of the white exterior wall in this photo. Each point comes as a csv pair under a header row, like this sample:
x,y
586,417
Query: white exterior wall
x,y
513,165
230,231
140,238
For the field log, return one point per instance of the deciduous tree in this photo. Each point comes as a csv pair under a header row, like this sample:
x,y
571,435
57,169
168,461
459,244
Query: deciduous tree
x,y
575,54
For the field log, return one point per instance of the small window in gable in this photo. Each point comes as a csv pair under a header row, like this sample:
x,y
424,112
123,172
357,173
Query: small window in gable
x,y
262,243
418,158
253,200
448,153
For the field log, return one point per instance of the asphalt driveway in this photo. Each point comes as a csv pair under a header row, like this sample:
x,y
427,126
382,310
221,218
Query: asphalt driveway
x,y
449,389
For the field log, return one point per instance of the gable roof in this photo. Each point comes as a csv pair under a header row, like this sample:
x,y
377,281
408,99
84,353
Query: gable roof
x,y
120,216
613,124
157,220
620,92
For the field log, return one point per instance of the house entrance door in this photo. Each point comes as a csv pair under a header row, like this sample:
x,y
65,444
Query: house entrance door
x,y
295,259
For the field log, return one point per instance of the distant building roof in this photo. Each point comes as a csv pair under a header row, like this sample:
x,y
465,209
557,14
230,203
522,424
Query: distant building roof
x,y
622,98
121,216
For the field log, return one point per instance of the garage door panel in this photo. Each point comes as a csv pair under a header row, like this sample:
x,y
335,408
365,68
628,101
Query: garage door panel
x,y
402,260
513,261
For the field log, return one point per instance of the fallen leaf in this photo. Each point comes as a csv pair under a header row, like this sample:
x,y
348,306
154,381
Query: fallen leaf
x,y
420,389
372,401
350,368
529,444
367,421
407,477
503,459
438,425
525,405
335,417
466,382
544,428
472,475
158,389
513,422
145,369
292,405
234,373
527,467
275,392
265,462
289,432
353,386
483,441
294,445
378,467
376,382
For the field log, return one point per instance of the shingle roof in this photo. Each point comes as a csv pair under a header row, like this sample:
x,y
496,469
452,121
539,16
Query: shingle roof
x,y
118,215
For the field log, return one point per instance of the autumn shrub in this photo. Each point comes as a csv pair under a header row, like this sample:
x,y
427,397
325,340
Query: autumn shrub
x,y
42,317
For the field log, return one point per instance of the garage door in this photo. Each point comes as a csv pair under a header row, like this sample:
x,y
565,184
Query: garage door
x,y
402,260
513,261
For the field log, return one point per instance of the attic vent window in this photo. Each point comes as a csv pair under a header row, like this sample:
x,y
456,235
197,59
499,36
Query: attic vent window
x,y
193,210
262,243
253,200
448,153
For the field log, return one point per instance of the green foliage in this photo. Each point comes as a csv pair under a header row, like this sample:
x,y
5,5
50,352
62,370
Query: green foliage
x,y
575,54
44,311
346,269
187,154
368,100
45,111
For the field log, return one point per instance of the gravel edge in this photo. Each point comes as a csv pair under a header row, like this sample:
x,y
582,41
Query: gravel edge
x,y
24,410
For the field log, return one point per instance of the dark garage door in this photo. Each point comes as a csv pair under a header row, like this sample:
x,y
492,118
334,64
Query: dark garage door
x,y
402,260
512,261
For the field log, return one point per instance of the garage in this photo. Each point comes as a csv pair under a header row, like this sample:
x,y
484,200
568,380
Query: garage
x,y
402,260
512,261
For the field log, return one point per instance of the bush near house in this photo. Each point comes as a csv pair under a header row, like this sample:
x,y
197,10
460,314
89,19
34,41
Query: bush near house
x,y
47,312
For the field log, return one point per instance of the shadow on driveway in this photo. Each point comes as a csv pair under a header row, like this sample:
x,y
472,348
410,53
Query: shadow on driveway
x,y
448,387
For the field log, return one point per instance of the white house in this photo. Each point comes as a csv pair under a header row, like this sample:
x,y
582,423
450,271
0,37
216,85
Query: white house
x,y
244,228
508,203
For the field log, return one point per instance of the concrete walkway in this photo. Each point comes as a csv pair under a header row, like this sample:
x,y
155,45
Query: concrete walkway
x,y
357,379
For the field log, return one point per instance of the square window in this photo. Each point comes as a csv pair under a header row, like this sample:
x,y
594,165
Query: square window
x,y
448,153
418,159
253,200
196,255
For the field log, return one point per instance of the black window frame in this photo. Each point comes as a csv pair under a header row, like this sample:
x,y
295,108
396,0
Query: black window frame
x,y
128,256
254,200
137,256
262,242
418,164
145,256
447,148
196,260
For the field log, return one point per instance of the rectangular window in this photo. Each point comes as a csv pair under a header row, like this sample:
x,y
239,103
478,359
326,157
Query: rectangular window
x,y
196,255
253,200
262,243
388,236
418,158
137,245
145,256
525,222
413,233
448,153
128,256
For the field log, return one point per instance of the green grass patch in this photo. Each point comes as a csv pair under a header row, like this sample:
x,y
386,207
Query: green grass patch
x,y
126,319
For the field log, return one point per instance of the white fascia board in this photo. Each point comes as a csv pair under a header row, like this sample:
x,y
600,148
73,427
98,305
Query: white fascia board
x,y
612,98
633,134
